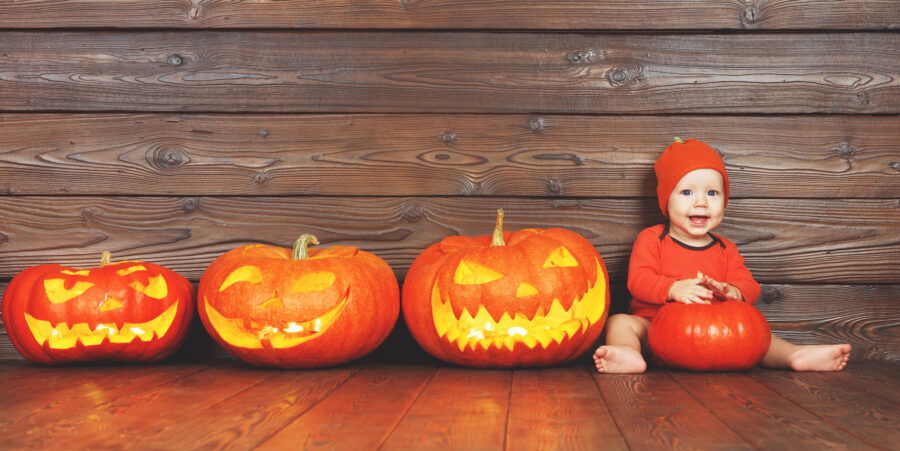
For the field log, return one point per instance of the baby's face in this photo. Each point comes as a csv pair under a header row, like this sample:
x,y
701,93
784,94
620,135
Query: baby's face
x,y
696,206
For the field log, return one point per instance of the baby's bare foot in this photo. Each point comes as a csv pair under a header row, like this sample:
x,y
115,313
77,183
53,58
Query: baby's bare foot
x,y
619,359
820,357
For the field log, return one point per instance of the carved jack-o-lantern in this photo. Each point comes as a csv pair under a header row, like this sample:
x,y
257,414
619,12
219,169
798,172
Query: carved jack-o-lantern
x,y
271,306
530,298
128,311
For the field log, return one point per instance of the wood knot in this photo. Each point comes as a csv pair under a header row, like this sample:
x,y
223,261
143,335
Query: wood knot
x,y
413,212
175,60
263,133
619,76
537,124
167,157
844,150
190,205
262,177
89,213
895,165
555,186
581,57
561,156
471,187
751,16
770,295
448,137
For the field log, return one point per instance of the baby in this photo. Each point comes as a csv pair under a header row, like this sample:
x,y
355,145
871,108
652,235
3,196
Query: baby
x,y
683,262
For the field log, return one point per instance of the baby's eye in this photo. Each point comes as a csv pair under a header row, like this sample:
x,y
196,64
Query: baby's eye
x,y
686,192
712,192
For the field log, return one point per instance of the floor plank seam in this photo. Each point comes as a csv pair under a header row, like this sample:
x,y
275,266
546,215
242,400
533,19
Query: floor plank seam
x,y
813,413
711,412
595,375
512,374
408,408
275,432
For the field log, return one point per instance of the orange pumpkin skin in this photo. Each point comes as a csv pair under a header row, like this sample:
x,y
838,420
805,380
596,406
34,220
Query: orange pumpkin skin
x,y
542,299
127,311
269,309
722,336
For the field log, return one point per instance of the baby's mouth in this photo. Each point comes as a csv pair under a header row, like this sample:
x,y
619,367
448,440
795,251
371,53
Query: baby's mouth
x,y
698,221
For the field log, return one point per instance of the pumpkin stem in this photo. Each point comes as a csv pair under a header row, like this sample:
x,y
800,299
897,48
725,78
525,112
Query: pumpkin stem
x,y
497,238
300,245
105,258
678,140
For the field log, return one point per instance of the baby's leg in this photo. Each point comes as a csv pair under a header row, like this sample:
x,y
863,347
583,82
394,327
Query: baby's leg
x,y
622,352
783,354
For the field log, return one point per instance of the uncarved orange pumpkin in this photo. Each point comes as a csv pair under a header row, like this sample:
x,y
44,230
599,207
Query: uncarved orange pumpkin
x,y
128,311
301,308
530,298
722,336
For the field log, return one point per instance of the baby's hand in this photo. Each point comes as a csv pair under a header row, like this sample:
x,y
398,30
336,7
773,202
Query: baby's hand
x,y
690,291
720,290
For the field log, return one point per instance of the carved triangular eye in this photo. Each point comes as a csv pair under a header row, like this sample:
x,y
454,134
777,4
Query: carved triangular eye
x,y
156,288
131,269
314,281
249,274
57,293
560,258
471,273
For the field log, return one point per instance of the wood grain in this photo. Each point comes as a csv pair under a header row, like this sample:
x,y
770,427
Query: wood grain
x,y
653,412
866,316
845,404
408,72
420,155
359,415
454,14
564,402
458,409
759,415
807,241
100,417
252,415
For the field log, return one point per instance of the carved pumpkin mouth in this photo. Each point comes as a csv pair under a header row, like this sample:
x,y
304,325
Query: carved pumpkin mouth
x,y
545,327
252,334
63,336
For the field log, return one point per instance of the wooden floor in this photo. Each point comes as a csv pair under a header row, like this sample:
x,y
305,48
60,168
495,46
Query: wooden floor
x,y
372,404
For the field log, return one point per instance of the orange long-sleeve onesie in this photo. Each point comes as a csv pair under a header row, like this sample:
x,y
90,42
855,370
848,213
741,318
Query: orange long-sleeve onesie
x,y
658,260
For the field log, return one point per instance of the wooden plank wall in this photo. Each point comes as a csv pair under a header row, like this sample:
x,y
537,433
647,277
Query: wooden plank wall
x,y
172,131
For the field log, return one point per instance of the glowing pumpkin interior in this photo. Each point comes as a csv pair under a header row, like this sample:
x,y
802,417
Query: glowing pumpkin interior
x,y
252,332
556,324
65,336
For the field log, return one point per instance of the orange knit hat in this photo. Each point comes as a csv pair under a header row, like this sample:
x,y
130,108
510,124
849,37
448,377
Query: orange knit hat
x,y
680,158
